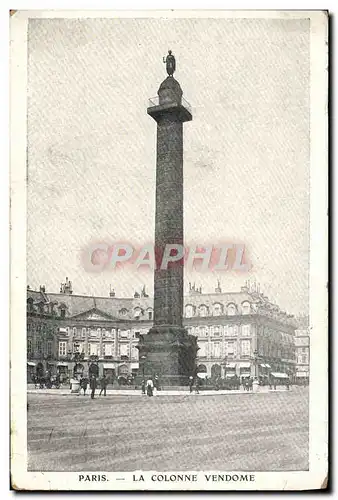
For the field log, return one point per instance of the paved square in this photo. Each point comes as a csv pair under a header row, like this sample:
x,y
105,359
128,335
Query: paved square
x,y
242,432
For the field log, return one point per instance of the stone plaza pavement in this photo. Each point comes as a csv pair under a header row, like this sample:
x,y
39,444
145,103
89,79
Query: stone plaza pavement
x,y
260,432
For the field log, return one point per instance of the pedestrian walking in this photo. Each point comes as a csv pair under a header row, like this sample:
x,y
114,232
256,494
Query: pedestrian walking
x,y
143,386
83,384
197,385
191,383
103,383
93,386
150,387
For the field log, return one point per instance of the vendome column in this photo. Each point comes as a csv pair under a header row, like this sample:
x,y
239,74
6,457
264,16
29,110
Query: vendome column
x,y
167,350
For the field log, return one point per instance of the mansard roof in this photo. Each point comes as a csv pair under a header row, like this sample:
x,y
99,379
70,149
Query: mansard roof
x,y
124,308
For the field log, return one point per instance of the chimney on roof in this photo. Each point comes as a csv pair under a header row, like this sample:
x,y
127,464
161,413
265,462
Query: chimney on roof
x,y
112,292
42,288
28,287
66,288
218,289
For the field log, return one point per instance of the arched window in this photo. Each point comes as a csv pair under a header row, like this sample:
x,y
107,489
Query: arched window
x,y
217,309
189,311
203,310
123,370
216,371
231,309
246,307
123,312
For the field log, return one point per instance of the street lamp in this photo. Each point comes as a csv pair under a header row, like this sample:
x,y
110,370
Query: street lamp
x,y
144,357
224,364
256,363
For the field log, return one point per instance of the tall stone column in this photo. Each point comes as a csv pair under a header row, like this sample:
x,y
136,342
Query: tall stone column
x,y
167,350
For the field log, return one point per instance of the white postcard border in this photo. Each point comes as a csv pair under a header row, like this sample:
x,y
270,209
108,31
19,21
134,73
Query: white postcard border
x,y
318,463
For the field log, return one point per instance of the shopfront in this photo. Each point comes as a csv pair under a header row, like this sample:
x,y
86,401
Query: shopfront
x,y
109,371
244,371
62,369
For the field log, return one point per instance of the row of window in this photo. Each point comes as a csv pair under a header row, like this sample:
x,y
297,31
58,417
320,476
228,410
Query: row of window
x,y
102,332
213,350
218,330
39,346
228,349
217,310
93,349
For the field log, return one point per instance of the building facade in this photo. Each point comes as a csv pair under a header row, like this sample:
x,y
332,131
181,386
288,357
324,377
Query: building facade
x,y
302,347
239,333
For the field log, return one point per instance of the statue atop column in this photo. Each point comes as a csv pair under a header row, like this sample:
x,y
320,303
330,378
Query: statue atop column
x,y
170,63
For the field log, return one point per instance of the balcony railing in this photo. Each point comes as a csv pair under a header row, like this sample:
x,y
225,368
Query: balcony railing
x,y
155,101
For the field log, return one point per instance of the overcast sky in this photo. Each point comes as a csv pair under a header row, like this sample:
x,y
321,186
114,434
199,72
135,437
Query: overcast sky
x,y
92,146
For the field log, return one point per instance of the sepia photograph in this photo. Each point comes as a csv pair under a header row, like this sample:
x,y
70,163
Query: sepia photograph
x,y
169,215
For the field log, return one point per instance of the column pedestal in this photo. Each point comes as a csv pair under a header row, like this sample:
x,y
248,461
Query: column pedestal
x,y
168,352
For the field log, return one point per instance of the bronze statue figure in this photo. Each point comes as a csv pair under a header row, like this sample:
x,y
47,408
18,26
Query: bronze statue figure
x,y
170,63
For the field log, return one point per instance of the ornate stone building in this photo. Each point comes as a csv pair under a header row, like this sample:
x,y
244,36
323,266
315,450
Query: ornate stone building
x,y
302,346
239,333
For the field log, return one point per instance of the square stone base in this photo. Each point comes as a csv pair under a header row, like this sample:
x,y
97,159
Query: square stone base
x,y
168,352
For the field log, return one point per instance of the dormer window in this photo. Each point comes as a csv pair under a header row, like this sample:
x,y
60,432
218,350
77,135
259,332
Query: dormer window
x,y
217,309
138,313
246,308
203,311
231,310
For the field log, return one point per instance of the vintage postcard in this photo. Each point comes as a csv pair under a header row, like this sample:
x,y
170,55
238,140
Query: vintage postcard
x,y
169,250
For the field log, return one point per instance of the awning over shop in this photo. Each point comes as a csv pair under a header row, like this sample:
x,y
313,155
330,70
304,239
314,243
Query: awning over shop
x,y
63,330
279,375
302,374
267,366
109,366
30,363
231,365
229,375
262,365
62,364
202,375
244,365
134,366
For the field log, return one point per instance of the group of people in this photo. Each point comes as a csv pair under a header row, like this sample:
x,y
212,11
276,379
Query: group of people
x,y
46,380
194,382
93,384
247,383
